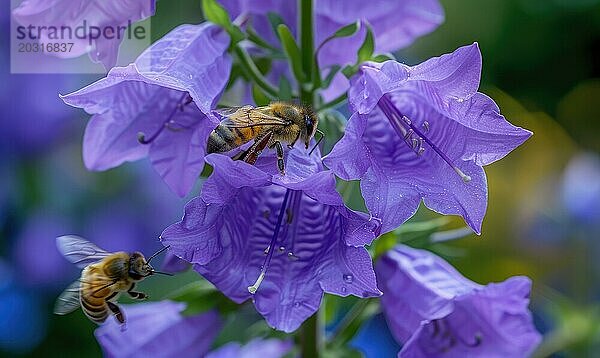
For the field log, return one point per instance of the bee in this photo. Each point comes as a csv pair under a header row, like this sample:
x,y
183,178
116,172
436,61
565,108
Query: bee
x,y
268,126
104,277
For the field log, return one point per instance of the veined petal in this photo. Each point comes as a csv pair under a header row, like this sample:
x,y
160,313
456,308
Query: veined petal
x,y
239,236
490,322
150,96
417,285
432,309
423,132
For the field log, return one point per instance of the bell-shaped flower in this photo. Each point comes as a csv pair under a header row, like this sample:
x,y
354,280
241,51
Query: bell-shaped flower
x,y
281,241
434,311
395,24
159,106
103,21
423,132
265,348
158,329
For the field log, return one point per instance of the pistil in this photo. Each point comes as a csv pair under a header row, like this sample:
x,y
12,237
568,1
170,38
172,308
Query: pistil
x,y
169,122
252,289
412,135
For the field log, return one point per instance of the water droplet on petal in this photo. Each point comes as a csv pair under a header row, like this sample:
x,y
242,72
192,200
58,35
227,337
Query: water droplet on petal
x,y
296,304
344,289
348,278
282,248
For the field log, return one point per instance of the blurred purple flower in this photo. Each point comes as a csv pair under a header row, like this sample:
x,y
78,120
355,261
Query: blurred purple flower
x,y
38,262
152,96
263,348
105,15
119,227
423,132
293,231
395,23
433,309
581,188
157,329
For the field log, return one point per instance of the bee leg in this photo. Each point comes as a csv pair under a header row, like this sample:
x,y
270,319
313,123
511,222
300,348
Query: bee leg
x,y
280,162
291,145
116,311
136,295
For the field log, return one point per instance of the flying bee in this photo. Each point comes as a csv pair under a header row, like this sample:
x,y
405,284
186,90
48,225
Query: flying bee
x,y
268,126
104,277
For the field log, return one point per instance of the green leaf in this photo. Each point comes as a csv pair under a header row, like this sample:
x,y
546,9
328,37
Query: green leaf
x,y
292,51
274,20
259,97
285,89
349,70
365,52
381,58
347,30
216,14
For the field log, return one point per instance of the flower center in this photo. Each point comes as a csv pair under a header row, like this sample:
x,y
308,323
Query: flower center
x,y
442,339
169,122
270,249
412,135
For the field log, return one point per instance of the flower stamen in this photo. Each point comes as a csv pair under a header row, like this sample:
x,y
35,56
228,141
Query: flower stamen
x,y
169,123
252,289
412,136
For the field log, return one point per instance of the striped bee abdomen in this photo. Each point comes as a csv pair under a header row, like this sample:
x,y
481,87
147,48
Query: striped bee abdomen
x,y
224,139
93,293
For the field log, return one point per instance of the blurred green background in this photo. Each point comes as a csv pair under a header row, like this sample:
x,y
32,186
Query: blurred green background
x,y
541,65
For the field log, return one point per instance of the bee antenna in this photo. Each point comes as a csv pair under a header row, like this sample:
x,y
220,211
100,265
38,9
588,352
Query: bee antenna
x,y
162,273
157,253
319,141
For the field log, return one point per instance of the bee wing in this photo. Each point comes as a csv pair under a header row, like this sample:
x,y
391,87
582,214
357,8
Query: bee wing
x,y
79,251
249,116
68,301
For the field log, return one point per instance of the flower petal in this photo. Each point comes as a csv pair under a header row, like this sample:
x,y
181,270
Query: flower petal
x,y
266,348
74,14
158,329
489,322
149,97
227,243
417,285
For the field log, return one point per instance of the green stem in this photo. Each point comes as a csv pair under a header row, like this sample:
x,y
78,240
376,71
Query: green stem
x,y
361,311
333,103
310,337
307,49
253,72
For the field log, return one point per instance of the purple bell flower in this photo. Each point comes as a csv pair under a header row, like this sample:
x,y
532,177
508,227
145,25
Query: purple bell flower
x,y
436,312
157,329
281,241
264,348
158,106
395,23
106,15
423,133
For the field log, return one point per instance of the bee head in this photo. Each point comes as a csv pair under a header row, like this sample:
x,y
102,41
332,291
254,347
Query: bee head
x,y
139,267
310,122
